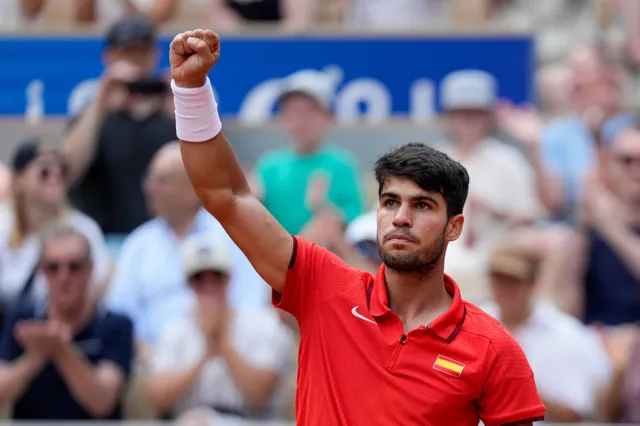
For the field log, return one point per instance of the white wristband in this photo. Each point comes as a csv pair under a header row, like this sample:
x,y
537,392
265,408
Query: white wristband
x,y
197,118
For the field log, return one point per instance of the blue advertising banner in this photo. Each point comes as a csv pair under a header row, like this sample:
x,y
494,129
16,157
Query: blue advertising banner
x,y
374,77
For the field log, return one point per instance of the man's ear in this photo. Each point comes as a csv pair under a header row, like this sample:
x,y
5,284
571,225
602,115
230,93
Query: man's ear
x,y
454,228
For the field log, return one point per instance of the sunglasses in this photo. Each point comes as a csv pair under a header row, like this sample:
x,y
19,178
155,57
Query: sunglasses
x,y
73,267
200,277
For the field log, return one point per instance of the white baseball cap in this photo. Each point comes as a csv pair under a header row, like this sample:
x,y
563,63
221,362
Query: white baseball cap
x,y
204,252
468,89
317,85
363,228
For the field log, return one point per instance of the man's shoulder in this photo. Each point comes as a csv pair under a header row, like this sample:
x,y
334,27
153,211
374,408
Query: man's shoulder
x,y
501,347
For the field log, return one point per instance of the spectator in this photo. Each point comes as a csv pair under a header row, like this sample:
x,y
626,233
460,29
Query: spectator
x,y
603,267
231,361
563,151
495,204
38,199
67,359
109,11
153,292
629,378
571,366
110,145
233,14
296,182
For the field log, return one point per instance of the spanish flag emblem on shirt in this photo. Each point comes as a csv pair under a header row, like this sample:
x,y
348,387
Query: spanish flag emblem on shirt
x,y
448,366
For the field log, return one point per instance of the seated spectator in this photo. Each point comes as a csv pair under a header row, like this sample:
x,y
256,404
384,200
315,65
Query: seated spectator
x,y
564,150
67,359
495,204
111,141
233,14
38,199
570,364
297,181
230,361
109,11
149,285
600,283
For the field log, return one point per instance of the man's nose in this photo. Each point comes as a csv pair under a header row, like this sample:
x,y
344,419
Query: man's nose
x,y
403,219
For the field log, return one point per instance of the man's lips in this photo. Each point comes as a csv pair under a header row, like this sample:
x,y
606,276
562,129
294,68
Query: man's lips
x,y
399,237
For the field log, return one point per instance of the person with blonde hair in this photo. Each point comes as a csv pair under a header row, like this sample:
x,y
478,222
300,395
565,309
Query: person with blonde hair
x,y
37,198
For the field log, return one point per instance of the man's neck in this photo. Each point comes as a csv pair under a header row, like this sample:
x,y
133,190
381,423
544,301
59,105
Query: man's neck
x,y
75,318
38,216
417,298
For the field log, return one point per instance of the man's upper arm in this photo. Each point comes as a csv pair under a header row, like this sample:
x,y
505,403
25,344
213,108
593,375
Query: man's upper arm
x,y
509,395
267,245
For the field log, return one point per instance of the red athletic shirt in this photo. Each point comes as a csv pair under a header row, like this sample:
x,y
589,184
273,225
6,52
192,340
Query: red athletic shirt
x,y
357,367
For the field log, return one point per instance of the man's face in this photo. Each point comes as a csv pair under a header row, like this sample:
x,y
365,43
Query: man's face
x,y
67,267
413,228
512,295
168,189
141,54
468,125
209,284
623,163
304,120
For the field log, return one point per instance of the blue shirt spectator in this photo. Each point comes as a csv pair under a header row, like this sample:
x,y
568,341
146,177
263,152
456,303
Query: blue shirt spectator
x,y
149,284
106,337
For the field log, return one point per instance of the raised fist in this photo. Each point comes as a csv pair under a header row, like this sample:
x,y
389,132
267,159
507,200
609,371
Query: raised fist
x,y
192,55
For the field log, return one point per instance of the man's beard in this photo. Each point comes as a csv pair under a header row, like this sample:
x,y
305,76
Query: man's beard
x,y
414,261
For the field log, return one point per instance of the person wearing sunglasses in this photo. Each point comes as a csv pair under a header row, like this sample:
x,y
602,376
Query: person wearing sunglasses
x,y
225,361
66,358
38,197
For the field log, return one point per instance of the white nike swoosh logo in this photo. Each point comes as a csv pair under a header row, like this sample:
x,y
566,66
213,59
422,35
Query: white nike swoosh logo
x,y
355,313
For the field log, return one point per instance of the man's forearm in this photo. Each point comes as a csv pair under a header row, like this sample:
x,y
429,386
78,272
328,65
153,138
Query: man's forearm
x,y
15,377
549,188
165,389
81,144
83,381
255,384
625,243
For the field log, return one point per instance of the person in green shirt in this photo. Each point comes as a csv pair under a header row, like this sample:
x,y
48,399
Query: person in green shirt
x,y
298,181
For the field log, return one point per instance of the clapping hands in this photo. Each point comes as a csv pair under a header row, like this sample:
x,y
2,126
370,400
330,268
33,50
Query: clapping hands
x,y
42,338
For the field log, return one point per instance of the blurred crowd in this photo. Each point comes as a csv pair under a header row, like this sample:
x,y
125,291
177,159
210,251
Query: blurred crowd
x,y
120,297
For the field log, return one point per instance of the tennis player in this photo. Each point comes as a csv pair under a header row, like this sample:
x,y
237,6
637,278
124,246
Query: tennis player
x,y
400,348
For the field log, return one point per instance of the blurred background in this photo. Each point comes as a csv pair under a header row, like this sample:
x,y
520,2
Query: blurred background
x,y
100,230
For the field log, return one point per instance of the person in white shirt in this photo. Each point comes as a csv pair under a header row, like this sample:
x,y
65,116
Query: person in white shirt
x,y
570,363
230,362
38,198
501,189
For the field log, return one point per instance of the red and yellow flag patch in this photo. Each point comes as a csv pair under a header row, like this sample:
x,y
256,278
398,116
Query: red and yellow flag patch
x,y
448,366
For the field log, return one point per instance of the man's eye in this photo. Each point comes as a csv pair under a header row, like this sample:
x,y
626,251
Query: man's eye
x,y
390,203
422,205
